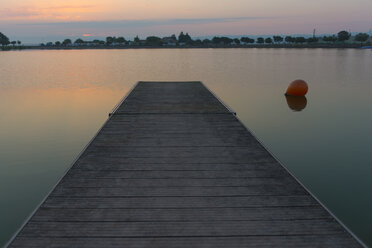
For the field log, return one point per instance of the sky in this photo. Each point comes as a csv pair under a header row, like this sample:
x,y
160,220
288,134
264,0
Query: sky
x,y
43,20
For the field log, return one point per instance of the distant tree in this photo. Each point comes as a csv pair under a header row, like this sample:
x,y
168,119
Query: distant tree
x,y
343,35
57,43
236,41
268,40
260,40
197,42
184,38
154,41
79,41
121,40
136,40
216,40
227,40
173,36
181,37
331,38
67,42
4,41
206,41
19,42
312,40
13,42
99,42
290,39
361,37
109,40
246,40
300,39
278,39
222,40
325,38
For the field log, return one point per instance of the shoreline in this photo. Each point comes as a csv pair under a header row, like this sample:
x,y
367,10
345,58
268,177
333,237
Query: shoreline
x,y
314,46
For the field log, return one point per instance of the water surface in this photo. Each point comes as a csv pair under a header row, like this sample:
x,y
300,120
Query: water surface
x,y
53,102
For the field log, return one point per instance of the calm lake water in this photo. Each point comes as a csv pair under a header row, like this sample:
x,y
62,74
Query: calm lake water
x,y
53,102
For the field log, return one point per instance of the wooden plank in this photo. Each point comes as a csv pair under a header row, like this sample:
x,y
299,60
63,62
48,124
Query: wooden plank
x,y
179,202
236,153
180,229
177,191
180,215
176,174
117,164
177,182
173,167
164,119
339,240
145,159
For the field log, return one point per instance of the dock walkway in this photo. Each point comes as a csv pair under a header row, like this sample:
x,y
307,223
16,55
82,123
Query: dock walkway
x,y
173,167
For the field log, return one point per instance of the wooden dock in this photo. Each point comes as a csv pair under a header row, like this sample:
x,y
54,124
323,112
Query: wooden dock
x,y
173,167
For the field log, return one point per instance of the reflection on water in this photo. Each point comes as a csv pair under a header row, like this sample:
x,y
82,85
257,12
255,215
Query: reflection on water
x,y
41,131
296,103
52,103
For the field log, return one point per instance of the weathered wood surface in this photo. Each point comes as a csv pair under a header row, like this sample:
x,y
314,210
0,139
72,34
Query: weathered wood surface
x,y
173,167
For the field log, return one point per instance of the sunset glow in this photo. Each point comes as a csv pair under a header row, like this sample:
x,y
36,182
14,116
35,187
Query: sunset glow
x,y
26,18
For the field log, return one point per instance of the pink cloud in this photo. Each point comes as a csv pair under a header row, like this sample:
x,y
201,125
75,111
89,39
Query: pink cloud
x,y
41,13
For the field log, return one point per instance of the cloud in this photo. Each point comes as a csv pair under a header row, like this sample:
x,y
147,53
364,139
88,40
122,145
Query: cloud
x,y
44,13
69,7
146,22
7,13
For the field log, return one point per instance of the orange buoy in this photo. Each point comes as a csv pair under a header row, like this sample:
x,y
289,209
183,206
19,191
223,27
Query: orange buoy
x,y
297,88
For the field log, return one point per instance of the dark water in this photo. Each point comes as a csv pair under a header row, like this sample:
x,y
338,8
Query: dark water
x,y
53,102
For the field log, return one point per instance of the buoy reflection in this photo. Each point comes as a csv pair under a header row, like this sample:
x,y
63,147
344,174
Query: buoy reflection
x,y
296,103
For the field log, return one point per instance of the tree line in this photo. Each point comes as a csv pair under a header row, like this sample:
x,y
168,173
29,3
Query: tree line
x,y
4,40
185,39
